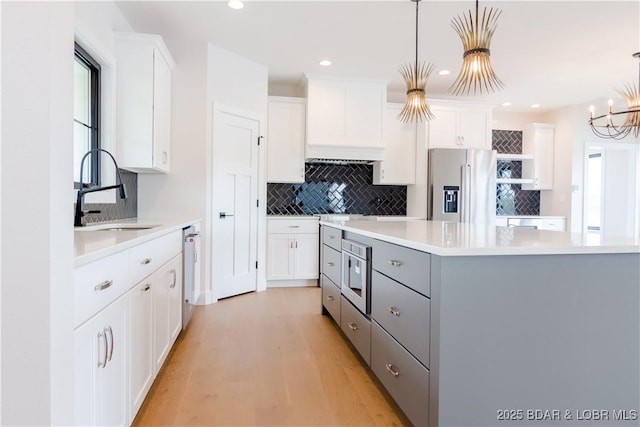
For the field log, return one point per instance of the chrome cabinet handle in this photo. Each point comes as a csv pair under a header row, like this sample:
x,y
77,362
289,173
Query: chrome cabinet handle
x,y
108,328
331,264
104,285
102,337
393,311
332,237
296,244
175,279
330,297
145,261
146,288
395,263
353,326
390,369
294,226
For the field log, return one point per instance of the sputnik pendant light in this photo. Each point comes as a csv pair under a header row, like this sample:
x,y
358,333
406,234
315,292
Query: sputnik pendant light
x,y
476,75
415,76
605,126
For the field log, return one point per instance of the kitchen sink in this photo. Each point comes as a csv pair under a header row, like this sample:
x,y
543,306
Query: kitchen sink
x,y
117,227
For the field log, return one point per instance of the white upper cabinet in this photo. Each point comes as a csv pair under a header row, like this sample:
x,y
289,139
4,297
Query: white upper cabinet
x,y
143,107
398,166
459,126
538,141
344,118
285,139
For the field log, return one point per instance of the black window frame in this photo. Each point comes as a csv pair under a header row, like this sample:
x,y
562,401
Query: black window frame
x,y
94,68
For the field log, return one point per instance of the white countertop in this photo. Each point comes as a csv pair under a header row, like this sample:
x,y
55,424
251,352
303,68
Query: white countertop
x,y
455,239
90,245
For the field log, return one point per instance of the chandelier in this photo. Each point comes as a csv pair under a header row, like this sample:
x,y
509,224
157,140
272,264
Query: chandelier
x,y
477,74
605,126
415,76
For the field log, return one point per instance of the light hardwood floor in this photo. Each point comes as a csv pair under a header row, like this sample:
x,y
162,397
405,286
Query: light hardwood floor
x,y
266,359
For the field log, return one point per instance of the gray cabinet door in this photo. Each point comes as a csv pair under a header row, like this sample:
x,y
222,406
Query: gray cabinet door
x,y
330,297
406,380
332,237
357,328
407,266
403,313
331,263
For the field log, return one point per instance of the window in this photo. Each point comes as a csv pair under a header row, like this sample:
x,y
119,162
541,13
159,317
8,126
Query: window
x,y
86,116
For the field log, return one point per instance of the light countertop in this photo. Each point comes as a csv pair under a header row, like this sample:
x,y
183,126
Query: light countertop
x,y
455,239
90,245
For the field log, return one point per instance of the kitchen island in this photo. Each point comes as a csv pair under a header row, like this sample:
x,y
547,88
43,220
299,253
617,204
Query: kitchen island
x,y
522,326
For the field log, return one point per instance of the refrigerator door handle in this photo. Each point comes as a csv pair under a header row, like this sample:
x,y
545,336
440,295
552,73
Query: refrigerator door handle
x,y
465,210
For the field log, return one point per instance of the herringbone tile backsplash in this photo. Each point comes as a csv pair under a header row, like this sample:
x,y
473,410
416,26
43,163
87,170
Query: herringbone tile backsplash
x,y
122,209
511,199
331,188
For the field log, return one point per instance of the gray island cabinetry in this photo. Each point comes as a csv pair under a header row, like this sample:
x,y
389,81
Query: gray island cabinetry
x,y
495,326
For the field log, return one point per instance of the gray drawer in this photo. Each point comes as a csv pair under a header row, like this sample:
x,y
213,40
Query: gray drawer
x,y
330,297
357,328
331,263
407,266
332,237
406,380
403,313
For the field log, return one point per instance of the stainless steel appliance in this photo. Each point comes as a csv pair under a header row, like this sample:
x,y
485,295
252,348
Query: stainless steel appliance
x,y
190,270
356,274
461,185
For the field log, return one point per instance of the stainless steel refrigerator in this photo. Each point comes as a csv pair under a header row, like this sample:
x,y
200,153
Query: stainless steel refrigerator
x,y
462,185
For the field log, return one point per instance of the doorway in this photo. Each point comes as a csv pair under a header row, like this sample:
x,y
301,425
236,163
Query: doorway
x,y
612,192
234,210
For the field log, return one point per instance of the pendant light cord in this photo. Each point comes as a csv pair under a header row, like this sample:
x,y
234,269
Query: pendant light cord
x,y
416,63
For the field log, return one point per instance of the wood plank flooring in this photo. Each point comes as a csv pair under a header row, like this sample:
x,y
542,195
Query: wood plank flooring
x,y
266,359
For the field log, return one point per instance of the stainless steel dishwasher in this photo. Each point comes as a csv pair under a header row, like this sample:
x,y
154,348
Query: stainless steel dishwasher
x,y
190,269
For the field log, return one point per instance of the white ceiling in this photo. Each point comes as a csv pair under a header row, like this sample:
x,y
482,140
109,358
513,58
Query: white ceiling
x,y
554,53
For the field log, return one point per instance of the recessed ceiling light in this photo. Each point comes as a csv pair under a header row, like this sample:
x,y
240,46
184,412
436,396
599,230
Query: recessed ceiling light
x,y
325,62
506,104
535,106
444,72
235,4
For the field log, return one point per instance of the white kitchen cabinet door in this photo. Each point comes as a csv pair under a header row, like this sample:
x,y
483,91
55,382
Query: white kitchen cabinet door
x,y
280,257
285,139
306,256
460,126
100,367
167,309
344,118
141,368
538,141
143,102
398,166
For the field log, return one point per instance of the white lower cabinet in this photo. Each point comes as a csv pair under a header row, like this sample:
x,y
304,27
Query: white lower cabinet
x,y
100,367
124,337
292,248
167,309
141,365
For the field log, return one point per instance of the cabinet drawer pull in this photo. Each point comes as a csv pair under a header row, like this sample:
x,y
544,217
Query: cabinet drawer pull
x,y
330,297
294,226
394,311
390,369
145,261
104,285
332,237
146,288
331,264
353,326
102,337
395,263
108,329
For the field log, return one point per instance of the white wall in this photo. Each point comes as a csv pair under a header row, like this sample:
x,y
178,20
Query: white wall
x,y
37,229
204,74
237,82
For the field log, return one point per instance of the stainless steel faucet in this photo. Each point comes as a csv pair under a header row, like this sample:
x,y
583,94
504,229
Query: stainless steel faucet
x,y
79,219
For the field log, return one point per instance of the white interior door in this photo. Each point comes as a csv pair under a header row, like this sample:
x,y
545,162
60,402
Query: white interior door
x,y
234,202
